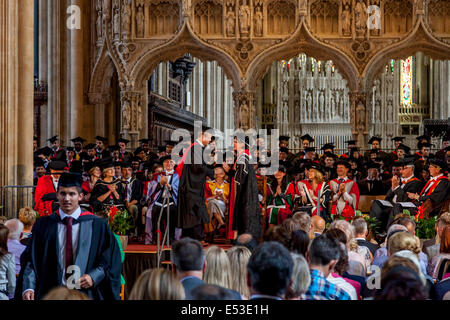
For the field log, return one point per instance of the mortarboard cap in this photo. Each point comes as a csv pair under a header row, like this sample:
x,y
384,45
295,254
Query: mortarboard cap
x,y
375,139
407,161
328,146
425,144
113,148
307,137
350,142
174,143
354,149
46,151
310,149
123,140
78,139
125,164
100,138
138,150
372,165
38,162
373,151
53,139
35,138
398,139
344,163
423,137
70,179
316,167
107,163
161,148
166,158
57,165
145,140
76,167
329,155
404,147
135,159
439,163
284,138
90,146
70,149
285,150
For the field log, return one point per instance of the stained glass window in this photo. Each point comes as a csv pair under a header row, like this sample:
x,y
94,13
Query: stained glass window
x,y
406,82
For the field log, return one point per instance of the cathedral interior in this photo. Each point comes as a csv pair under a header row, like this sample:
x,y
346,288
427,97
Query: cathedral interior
x,y
336,70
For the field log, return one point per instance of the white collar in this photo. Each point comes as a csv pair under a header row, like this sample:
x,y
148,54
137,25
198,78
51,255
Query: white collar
x,y
406,179
169,172
345,178
74,215
201,143
435,178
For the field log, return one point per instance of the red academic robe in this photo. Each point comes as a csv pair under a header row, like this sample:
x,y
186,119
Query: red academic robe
x,y
44,186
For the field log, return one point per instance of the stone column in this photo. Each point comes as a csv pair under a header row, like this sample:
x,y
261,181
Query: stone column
x,y
132,103
76,76
16,92
99,101
359,118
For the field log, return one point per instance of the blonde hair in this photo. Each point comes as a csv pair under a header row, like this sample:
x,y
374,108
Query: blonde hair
x,y
239,257
403,241
301,277
157,284
91,171
318,176
64,293
218,268
27,216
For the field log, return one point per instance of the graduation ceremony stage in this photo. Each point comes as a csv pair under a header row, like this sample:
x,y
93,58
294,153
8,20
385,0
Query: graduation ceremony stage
x,y
140,257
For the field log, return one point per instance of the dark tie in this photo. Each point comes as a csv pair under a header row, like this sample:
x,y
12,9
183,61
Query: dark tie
x,y
68,221
341,180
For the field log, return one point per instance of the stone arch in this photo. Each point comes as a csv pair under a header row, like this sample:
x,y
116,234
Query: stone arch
x,y
302,42
420,39
185,42
102,74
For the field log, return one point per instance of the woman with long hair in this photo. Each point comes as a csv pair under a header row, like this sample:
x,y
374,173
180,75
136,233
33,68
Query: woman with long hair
x,y
157,284
95,174
7,266
239,257
444,253
108,192
279,204
313,189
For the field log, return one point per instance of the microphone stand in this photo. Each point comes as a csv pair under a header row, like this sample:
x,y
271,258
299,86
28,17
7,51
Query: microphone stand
x,y
160,249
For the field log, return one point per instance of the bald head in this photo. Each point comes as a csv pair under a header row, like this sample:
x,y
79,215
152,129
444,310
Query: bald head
x,y
318,224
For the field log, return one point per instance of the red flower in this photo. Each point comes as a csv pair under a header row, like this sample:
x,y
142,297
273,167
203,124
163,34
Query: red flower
x,y
420,213
112,213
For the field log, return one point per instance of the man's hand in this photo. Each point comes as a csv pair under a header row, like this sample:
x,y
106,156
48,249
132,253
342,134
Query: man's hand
x,y
395,182
225,167
163,181
28,295
341,188
86,281
414,196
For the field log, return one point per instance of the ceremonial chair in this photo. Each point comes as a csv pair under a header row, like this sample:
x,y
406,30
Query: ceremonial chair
x,y
365,202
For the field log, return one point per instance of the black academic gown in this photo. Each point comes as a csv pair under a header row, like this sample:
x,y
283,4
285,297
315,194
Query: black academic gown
x,y
246,210
191,191
100,188
98,255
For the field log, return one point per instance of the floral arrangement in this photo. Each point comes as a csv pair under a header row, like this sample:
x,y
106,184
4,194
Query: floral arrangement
x,y
120,221
425,228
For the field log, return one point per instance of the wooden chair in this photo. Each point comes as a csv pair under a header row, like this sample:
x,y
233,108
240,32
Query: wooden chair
x,y
365,202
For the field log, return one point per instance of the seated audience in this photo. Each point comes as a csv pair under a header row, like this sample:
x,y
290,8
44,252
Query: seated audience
x,y
7,266
444,253
212,292
278,234
64,294
239,257
300,277
246,240
361,232
358,256
3,219
318,226
432,247
157,284
28,217
299,242
381,255
217,270
269,271
303,219
290,225
188,263
15,247
323,254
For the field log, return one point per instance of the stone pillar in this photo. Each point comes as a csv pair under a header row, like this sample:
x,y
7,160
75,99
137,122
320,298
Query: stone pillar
x,y
99,101
76,77
16,93
132,103
244,109
359,118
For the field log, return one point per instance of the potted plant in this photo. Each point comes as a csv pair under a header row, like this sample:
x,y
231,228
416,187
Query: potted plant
x,y
425,228
120,222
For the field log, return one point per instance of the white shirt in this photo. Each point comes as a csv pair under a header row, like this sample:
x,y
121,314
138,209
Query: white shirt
x,y
129,189
62,238
55,183
433,179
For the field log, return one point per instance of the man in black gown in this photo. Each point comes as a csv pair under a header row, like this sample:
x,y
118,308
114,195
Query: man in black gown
x,y
68,241
193,170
